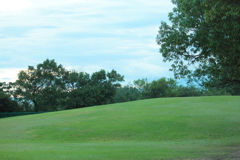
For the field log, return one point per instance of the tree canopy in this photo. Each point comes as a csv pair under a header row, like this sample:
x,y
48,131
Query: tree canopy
x,y
203,42
50,87
6,103
40,85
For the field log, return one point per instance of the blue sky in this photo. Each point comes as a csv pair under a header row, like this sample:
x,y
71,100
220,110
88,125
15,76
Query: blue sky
x,y
85,35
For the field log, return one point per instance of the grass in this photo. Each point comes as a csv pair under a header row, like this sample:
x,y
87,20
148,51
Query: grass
x,y
164,128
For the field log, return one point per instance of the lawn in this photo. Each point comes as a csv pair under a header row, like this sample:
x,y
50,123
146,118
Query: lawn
x,y
163,128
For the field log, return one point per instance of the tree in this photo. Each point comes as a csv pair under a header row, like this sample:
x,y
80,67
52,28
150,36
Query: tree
x,y
41,86
6,103
127,93
84,90
163,88
76,89
103,86
50,87
203,42
143,86
188,91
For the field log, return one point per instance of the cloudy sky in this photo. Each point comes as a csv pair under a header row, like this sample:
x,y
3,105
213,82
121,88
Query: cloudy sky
x,y
86,35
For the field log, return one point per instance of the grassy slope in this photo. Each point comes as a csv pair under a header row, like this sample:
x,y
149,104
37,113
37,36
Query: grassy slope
x,y
147,129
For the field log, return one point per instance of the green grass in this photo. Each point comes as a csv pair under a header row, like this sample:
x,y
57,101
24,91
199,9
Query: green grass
x,y
164,128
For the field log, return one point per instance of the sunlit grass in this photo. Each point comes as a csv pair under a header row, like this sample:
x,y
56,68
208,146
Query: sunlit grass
x,y
147,129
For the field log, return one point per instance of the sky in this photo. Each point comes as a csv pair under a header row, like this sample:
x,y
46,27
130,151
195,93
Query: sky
x,y
84,35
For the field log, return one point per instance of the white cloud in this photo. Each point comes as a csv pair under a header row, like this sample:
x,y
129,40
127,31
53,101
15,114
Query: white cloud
x,y
9,74
13,5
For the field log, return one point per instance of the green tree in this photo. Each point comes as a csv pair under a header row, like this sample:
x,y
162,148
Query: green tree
x,y
6,103
104,86
84,90
127,93
189,91
51,87
77,84
143,86
41,85
163,88
203,42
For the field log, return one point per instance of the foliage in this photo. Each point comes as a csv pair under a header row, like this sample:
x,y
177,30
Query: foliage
x,y
143,86
189,91
84,90
163,88
41,85
50,87
203,42
158,88
127,93
6,103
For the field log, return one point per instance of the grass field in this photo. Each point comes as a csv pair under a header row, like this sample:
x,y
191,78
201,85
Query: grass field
x,y
163,128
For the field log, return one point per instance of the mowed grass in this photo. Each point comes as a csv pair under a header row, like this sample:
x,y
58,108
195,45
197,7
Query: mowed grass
x,y
163,128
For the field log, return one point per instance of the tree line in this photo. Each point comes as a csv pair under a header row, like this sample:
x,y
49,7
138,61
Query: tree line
x,y
50,87
163,87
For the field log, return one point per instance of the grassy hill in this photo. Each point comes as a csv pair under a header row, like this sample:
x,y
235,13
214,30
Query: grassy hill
x,y
163,128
